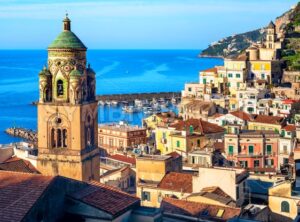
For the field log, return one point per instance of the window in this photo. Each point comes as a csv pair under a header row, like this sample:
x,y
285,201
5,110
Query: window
x,y
238,85
256,163
230,150
244,164
285,207
269,149
233,106
191,129
228,84
269,162
263,76
198,143
204,81
285,149
178,143
250,149
229,75
238,75
60,88
146,196
237,192
220,213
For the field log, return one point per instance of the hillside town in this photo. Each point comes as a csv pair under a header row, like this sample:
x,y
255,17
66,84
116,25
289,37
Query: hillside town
x,y
231,153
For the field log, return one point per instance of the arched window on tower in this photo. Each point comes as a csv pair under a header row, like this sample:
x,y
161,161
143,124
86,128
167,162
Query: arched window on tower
x,y
65,143
60,87
47,94
59,137
53,138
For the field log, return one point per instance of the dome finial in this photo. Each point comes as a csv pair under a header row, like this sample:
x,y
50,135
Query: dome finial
x,y
67,23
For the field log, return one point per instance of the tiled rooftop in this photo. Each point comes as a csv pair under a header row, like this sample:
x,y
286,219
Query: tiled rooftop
x,y
199,126
123,158
199,210
19,192
277,120
180,182
106,198
18,165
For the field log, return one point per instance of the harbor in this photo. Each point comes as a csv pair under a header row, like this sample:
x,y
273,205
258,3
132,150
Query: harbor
x,y
147,103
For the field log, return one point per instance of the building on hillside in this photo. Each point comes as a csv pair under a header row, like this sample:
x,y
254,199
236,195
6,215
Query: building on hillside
x,y
200,158
237,117
264,122
247,99
185,136
197,109
230,180
254,150
68,111
284,200
192,90
119,137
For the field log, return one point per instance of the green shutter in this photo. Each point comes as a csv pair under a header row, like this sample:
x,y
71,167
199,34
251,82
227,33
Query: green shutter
x,y
269,149
204,81
230,150
251,149
178,143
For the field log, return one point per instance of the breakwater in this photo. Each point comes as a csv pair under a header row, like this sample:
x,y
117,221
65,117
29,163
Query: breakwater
x,y
26,134
141,96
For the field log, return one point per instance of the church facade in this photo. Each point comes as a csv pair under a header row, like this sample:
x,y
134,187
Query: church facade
x,y
67,111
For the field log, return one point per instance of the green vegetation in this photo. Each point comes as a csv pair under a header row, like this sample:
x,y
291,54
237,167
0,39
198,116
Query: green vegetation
x,y
291,53
233,45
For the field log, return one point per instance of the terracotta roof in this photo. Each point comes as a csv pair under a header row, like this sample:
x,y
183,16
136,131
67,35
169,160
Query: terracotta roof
x,y
289,128
180,182
289,101
199,126
277,120
199,210
242,115
122,158
19,192
215,190
106,198
18,165
214,70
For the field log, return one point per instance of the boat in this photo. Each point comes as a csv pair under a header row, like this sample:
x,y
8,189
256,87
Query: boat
x,y
173,100
130,109
114,103
108,103
101,103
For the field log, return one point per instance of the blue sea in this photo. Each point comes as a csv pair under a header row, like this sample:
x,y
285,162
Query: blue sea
x,y
118,71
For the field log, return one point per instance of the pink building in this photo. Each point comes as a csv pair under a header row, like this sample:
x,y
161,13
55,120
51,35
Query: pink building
x,y
255,150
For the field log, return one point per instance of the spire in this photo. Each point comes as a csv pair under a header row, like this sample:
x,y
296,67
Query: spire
x,y
271,25
67,23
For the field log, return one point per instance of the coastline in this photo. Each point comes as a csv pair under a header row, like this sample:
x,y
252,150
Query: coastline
x,y
211,56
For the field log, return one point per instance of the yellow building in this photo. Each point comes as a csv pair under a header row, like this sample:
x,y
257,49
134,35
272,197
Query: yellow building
x,y
68,111
185,136
263,122
282,201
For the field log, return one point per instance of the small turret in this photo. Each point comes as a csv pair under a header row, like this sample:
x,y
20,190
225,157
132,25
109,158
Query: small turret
x,y
67,23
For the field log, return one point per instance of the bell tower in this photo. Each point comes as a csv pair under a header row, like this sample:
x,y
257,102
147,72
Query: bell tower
x,y
271,36
67,111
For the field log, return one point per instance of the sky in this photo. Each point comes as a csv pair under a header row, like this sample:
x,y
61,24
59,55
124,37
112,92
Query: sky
x,y
133,24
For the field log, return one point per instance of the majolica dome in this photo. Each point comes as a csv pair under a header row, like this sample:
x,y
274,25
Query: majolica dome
x,y
67,39
75,74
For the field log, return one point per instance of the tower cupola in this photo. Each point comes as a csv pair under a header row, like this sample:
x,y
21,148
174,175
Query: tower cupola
x,y
67,23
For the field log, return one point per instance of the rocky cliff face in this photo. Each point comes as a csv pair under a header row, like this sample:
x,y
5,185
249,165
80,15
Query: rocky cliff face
x,y
236,44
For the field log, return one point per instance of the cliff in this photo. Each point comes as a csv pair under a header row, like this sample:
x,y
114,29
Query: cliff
x,y
234,45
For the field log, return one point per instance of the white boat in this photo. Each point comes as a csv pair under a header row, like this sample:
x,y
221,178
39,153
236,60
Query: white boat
x,y
173,100
114,103
108,102
101,103
129,109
